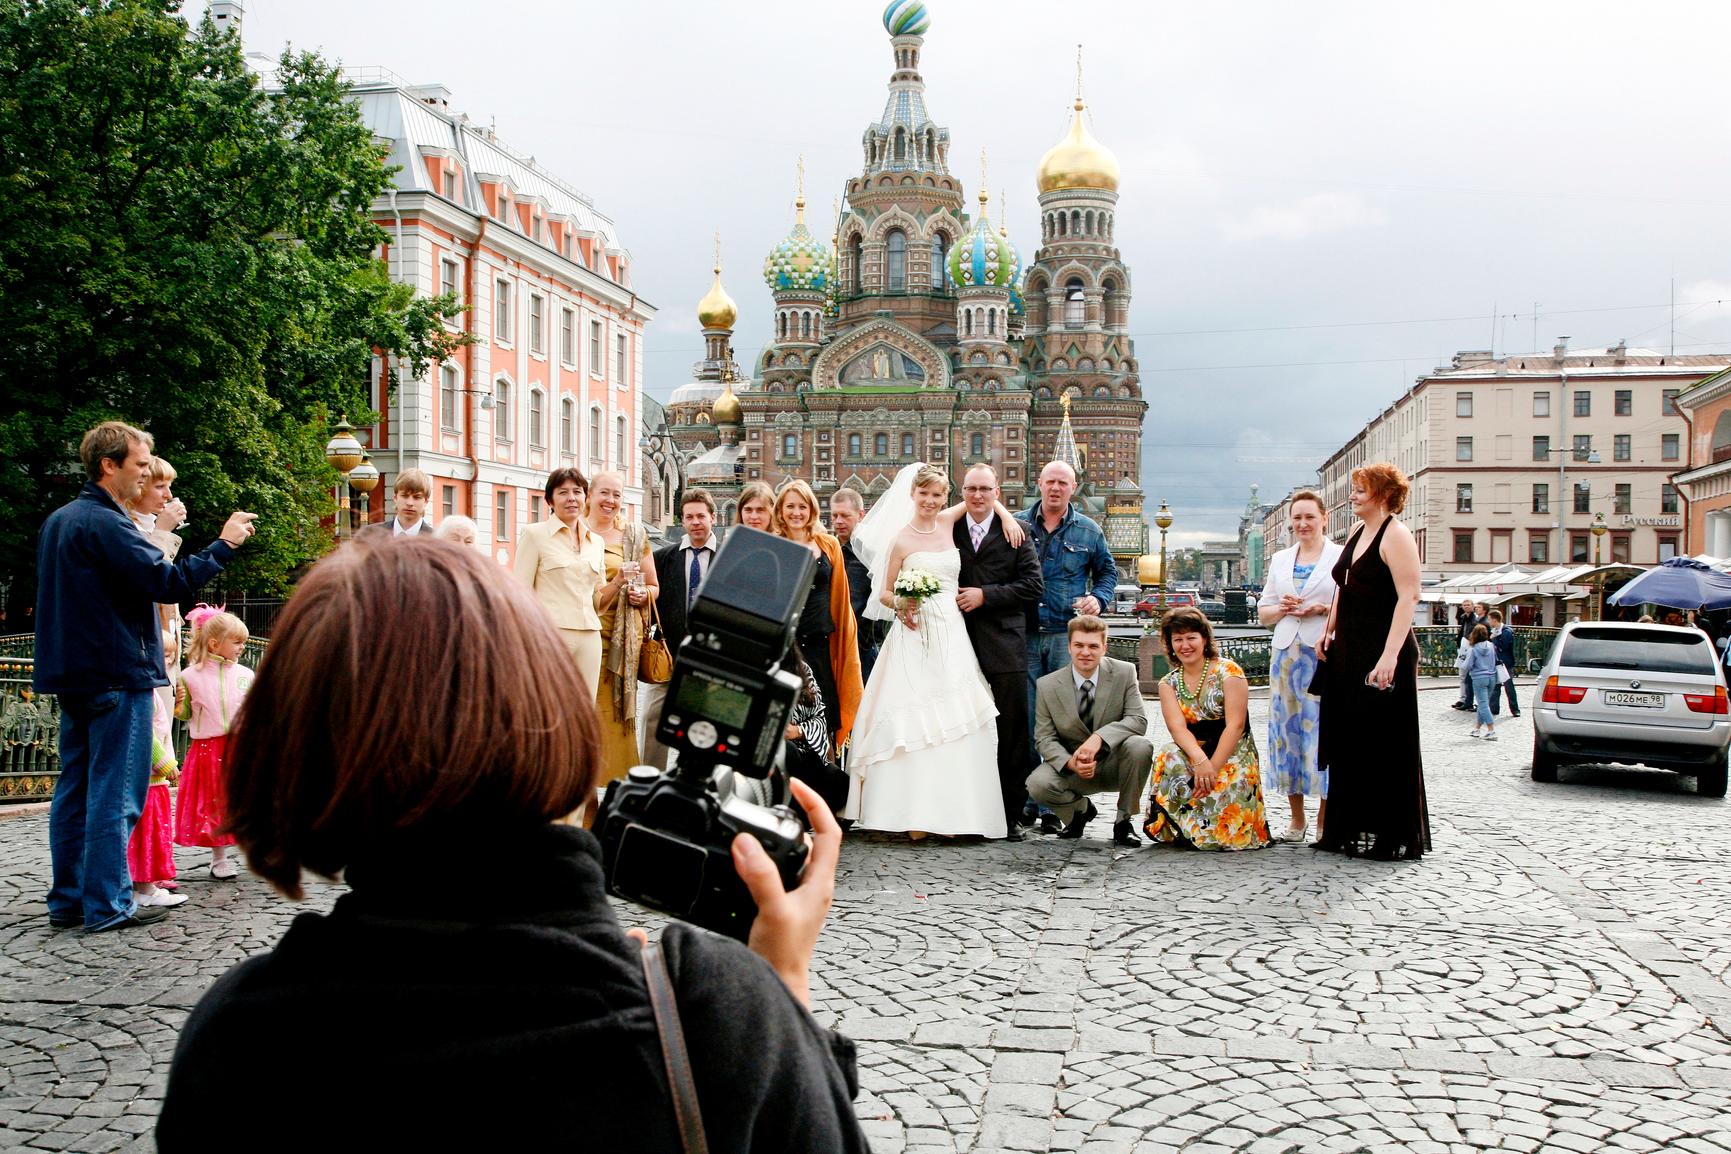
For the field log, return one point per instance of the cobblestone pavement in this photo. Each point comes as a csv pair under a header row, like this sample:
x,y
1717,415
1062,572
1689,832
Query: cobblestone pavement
x,y
1554,976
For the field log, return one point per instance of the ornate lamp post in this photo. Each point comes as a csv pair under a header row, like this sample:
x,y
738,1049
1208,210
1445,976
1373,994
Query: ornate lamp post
x,y
1599,530
365,477
1162,519
344,452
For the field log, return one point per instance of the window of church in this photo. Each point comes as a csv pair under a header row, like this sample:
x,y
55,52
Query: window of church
x,y
907,445
977,444
991,322
881,444
968,323
853,444
896,247
1075,305
941,262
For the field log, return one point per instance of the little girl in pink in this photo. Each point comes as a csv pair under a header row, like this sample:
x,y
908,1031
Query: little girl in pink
x,y
150,852
208,696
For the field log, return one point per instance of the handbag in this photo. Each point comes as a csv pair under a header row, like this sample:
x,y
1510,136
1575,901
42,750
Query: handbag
x,y
1502,674
654,659
686,1112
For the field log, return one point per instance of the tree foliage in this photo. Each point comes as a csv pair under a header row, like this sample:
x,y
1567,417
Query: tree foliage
x,y
186,250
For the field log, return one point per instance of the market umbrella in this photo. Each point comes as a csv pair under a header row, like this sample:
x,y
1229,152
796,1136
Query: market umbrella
x,y
1680,583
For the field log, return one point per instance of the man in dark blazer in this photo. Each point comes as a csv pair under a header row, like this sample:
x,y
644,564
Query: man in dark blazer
x,y
675,565
997,587
845,510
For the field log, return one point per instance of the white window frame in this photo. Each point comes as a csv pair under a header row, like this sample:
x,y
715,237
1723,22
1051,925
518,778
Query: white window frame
x,y
501,515
621,364
620,433
567,426
597,362
537,417
450,279
537,325
596,445
567,336
502,410
450,392
503,316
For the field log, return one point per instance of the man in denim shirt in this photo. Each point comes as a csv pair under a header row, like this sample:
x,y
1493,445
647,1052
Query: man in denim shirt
x,y
1080,579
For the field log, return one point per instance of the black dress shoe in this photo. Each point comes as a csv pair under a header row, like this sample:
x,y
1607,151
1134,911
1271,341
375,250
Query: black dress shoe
x,y
1029,817
140,916
1079,823
1014,832
1050,825
71,923
1124,834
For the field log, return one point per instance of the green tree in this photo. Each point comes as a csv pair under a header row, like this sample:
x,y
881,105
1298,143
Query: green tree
x,y
186,250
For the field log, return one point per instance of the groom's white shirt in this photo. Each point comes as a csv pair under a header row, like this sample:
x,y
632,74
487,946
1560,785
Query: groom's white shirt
x,y
984,527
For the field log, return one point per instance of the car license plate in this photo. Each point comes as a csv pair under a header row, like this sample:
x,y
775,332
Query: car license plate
x,y
1636,700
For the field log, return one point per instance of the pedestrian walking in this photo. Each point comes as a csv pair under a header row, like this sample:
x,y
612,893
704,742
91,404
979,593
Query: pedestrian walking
x,y
209,696
1504,639
99,649
1295,603
1481,667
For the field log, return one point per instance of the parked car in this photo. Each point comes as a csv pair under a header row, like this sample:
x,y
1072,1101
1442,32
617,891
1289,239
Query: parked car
x,y
1213,610
1149,605
1619,691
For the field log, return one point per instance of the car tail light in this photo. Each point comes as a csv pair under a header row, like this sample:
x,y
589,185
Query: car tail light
x,y
1714,702
1563,694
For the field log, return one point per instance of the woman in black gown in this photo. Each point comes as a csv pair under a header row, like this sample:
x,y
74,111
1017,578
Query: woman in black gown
x,y
1369,722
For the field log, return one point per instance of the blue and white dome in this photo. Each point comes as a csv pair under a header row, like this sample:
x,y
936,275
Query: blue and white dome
x,y
801,262
984,257
906,18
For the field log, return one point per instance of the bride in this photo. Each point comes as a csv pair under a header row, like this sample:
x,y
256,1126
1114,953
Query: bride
x,y
924,753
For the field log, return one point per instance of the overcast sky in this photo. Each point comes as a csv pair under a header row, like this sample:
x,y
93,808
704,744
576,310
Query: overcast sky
x,y
1320,201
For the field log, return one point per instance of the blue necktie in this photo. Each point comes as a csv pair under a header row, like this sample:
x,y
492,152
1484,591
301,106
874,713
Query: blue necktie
x,y
693,579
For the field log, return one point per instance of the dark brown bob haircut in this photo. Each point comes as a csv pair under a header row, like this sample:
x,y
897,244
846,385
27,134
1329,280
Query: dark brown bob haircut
x,y
1385,484
503,736
561,476
1187,619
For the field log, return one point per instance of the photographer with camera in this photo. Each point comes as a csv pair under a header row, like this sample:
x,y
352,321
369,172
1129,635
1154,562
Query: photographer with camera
x,y
502,1008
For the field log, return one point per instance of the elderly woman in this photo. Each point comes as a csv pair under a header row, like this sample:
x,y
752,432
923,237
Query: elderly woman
x,y
827,630
1295,601
757,506
1207,785
1369,721
561,560
460,530
442,1009
623,601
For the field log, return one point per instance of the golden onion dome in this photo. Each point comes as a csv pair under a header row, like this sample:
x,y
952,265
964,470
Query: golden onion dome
x,y
716,310
1078,161
725,409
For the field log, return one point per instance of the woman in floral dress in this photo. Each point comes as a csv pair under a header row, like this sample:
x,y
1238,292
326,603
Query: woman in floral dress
x,y
1207,785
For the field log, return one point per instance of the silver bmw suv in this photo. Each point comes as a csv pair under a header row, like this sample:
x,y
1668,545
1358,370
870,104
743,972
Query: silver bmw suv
x,y
1617,691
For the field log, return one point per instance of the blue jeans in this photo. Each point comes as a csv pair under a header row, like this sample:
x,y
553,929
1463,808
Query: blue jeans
x,y
104,773
1497,691
1484,684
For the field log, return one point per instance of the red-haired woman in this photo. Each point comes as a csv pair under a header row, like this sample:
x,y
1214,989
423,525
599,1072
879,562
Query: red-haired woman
x,y
1369,722
448,1007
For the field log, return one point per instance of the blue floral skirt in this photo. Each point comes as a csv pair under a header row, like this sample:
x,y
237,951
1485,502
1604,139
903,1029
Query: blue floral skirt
x,y
1289,761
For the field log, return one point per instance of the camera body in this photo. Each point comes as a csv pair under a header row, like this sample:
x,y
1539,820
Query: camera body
x,y
666,838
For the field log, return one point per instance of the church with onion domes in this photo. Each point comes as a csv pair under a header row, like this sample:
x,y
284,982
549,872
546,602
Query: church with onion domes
x,y
915,331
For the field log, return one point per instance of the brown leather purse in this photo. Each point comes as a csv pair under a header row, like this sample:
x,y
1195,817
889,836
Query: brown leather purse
x,y
654,659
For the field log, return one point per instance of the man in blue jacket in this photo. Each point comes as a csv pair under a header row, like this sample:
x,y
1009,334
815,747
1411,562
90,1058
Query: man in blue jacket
x,y
99,649
1080,578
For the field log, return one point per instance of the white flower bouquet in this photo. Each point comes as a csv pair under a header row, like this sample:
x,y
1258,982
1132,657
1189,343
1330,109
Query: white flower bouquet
x,y
918,584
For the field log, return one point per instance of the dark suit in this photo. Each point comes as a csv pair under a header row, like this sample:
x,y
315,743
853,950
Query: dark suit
x,y
387,530
1011,583
859,592
672,570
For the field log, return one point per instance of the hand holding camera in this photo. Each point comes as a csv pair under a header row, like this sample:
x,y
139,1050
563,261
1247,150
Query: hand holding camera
x,y
788,921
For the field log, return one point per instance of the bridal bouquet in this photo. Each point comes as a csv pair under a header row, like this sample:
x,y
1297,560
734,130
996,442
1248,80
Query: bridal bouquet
x,y
917,585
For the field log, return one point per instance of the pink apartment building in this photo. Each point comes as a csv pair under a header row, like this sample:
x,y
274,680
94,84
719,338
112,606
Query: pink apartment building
x,y
554,377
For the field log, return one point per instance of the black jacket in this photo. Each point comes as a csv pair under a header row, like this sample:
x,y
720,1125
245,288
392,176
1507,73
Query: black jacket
x,y
1012,584
500,1009
859,593
99,581
670,563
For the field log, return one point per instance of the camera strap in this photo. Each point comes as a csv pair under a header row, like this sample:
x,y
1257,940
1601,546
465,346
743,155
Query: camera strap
x,y
685,1108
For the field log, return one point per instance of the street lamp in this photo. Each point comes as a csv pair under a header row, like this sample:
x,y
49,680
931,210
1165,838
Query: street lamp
x,y
1599,529
344,452
1162,519
365,477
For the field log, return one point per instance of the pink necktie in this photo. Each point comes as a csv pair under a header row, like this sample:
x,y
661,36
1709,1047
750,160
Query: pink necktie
x,y
978,533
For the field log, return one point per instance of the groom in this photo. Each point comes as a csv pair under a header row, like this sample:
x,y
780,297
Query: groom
x,y
997,586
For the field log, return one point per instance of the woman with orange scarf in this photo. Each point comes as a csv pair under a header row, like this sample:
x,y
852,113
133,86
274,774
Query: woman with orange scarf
x,y
826,621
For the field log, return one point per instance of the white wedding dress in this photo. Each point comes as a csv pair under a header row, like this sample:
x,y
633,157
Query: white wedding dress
x,y
924,752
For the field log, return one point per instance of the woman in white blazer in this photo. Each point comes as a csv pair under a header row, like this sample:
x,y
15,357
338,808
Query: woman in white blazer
x,y
1295,602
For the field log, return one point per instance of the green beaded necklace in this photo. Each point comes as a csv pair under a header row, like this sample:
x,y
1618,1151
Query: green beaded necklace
x,y
1184,693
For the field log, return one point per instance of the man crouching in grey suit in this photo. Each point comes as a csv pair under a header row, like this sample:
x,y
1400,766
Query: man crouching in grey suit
x,y
1089,724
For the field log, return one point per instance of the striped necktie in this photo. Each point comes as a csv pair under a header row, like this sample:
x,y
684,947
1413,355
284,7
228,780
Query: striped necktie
x,y
1085,704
